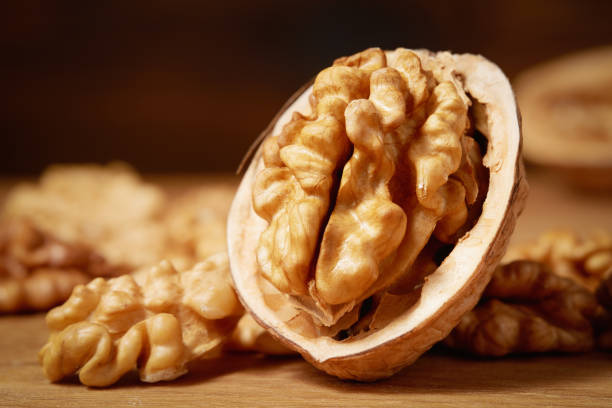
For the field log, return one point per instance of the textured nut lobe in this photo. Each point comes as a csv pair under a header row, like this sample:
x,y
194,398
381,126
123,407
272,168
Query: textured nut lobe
x,y
38,271
436,152
105,207
586,260
362,214
388,94
294,197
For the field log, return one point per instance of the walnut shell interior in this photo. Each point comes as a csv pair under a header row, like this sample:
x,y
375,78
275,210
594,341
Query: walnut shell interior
x,y
418,317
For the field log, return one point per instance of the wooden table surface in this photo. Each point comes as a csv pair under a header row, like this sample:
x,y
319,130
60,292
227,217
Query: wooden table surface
x,y
436,379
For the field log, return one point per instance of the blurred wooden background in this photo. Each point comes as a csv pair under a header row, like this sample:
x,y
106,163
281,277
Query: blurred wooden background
x,y
179,86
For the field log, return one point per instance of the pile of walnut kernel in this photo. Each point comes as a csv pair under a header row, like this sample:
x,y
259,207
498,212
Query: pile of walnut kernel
x,y
38,270
360,194
81,222
553,295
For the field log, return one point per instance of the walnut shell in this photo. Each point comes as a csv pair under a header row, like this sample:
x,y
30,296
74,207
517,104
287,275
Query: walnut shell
x,y
567,116
447,293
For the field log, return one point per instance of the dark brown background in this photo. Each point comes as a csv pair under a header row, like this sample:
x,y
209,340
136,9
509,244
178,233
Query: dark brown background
x,y
186,85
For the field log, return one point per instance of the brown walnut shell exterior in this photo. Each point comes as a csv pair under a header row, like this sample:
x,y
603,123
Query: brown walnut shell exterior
x,y
453,289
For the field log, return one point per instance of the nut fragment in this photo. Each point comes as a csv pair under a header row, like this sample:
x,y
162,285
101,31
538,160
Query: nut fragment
x,y
365,171
105,207
75,214
157,320
38,271
586,260
527,308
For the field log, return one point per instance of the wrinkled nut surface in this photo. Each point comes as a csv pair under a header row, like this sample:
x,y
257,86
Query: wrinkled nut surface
x,y
369,220
38,271
82,221
156,320
527,307
108,208
584,259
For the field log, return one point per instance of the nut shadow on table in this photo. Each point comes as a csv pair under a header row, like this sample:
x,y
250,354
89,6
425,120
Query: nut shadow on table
x,y
444,372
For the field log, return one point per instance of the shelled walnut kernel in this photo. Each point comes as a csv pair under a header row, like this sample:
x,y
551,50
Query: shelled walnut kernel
x,y
585,260
157,319
82,221
527,308
38,271
354,191
108,208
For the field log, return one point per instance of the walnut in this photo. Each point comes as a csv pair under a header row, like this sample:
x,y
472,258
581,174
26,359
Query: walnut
x,y
586,260
526,307
369,219
566,106
105,207
83,221
156,319
38,271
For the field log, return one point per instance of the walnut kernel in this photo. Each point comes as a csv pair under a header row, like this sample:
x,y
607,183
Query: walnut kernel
x,y
157,319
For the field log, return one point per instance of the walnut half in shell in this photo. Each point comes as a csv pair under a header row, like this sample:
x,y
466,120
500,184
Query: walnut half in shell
x,y
375,210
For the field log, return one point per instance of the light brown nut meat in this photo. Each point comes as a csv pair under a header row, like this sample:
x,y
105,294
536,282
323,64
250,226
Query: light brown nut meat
x,y
388,93
436,152
294,198
586,260
527,308
435,147
157,320
468,172
365,226
358,240
455,210
419,82
38,271
108,208
420,221
369,60
74,214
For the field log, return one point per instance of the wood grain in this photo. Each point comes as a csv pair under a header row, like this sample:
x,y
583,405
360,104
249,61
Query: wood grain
x,y
437,379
